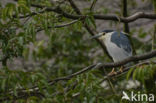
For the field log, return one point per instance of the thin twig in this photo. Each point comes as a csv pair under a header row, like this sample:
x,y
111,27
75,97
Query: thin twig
x,y
93,5
60,26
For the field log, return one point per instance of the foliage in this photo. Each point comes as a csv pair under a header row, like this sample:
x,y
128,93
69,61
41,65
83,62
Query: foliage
x,y
30,35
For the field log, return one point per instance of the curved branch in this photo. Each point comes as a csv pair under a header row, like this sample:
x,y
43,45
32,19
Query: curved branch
x,y
130,59
95,66
107,65
116,64
119,73
58,10
60,26
128,19
73,5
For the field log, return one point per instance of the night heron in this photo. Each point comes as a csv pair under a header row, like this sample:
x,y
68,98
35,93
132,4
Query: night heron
x,y
117,44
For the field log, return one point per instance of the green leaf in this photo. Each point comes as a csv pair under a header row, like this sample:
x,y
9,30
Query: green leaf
x,y
3,86
129,73
15,91
135,74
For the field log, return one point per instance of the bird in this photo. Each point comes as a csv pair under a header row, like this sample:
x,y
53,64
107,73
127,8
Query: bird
x,y
117,43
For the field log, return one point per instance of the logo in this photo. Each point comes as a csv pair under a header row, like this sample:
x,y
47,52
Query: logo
x,y
125,96
137,96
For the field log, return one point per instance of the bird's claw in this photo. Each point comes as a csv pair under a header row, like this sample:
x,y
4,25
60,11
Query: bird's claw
x,y
121,69
112,72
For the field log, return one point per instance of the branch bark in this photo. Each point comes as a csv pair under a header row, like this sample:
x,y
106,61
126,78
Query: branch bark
x,y
60,26
88,28
119,73
138,15
108,65
125,14
93,5
145,56
128,19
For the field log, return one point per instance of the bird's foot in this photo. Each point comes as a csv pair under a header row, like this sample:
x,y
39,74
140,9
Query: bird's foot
x,y
112,72
121,69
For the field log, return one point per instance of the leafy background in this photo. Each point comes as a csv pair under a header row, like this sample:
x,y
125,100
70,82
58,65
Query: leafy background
x,y
34,52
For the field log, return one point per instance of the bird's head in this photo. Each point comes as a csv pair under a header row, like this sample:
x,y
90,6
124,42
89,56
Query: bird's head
x,y
102,35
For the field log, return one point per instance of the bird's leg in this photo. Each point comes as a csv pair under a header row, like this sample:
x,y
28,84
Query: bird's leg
x,y
112,72
121,69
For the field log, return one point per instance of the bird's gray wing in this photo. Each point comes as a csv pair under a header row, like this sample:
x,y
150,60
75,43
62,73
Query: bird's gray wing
x,y
122,41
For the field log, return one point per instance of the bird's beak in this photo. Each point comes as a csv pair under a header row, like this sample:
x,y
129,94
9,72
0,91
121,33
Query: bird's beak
x,y
96,36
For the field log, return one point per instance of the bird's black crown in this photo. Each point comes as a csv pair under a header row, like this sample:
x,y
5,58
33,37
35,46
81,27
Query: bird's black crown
x,y
107,31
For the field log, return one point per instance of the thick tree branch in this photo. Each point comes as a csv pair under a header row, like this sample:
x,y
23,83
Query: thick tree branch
x,y
128,19
119,73
108,65
87,27
125,14
97,66
130,59
58,10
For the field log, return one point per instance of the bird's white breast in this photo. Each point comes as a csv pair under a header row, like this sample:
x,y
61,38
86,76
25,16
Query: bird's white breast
x,y
117,53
